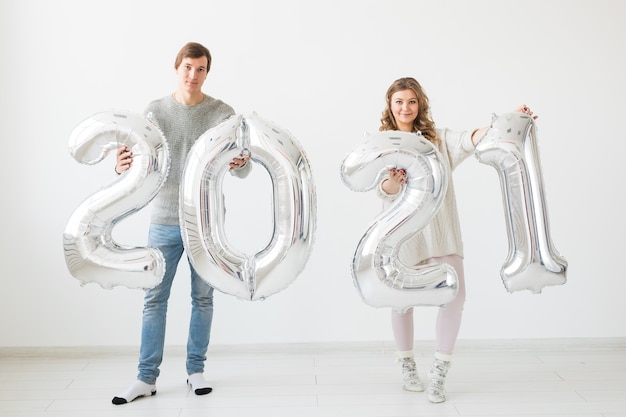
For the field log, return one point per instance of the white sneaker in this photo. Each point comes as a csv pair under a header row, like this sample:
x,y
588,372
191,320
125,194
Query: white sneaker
x,y
411,381
135,390
437,374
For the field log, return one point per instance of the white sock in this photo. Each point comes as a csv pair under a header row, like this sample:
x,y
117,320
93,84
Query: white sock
x,y
199,384
137,389
443,356
405,354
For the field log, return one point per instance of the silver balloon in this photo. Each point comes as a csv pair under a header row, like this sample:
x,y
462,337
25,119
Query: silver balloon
x,y
202,208
91,254
510,146
378,274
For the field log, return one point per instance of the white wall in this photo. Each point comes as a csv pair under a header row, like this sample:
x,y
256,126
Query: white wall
x,y
320,70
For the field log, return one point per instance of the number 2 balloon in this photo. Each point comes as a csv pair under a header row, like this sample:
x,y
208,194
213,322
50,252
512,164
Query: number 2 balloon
x,y
91,254
381,278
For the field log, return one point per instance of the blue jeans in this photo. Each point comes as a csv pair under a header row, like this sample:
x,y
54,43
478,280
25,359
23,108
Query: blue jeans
x,y
169,240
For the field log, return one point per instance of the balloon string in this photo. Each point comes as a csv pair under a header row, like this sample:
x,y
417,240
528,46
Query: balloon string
x,y
244,137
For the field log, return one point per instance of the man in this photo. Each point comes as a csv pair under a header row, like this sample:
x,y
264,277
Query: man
x,y
182,117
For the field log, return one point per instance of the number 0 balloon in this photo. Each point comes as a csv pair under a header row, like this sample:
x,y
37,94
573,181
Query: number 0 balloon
x,y
380,277
202,208
91,253
510,146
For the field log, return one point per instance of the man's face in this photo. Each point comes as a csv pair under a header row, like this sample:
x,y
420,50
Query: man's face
x,y
191,74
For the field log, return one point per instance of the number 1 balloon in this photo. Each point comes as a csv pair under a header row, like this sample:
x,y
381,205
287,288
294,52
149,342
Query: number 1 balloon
x,y
202,208
510,146
380,277
91,254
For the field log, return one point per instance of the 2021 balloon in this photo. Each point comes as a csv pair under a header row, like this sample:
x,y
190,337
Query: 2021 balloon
x,y
380,277
91,254
202,208
510,146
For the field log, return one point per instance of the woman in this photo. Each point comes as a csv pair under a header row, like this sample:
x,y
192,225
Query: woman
x,y
408,110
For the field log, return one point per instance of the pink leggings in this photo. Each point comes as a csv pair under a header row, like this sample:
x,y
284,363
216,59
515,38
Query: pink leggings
x,y
448,318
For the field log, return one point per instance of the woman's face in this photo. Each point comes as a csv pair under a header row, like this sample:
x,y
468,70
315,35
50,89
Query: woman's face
x,y
404,108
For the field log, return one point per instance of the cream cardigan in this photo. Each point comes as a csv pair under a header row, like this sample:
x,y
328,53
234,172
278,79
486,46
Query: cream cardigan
x,y
442,236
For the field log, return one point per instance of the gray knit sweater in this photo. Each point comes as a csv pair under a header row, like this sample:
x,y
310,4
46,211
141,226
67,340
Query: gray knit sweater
x,y
182,126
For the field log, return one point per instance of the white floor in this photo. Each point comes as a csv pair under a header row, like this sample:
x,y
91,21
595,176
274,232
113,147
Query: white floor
x,y
538,378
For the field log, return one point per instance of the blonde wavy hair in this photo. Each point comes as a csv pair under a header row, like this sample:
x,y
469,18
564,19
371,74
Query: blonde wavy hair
x,y
423,122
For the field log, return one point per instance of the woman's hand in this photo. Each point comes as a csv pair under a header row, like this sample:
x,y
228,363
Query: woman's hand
x,y
526,110
393,184
124,159
478,134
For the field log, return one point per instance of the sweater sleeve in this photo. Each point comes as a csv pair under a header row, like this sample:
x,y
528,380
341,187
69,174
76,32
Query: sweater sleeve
x,y
457,145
